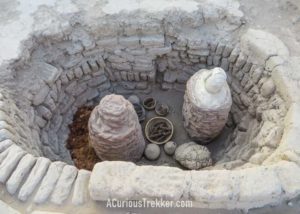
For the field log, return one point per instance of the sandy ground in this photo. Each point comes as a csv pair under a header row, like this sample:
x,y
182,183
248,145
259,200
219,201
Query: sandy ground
x,y
280,17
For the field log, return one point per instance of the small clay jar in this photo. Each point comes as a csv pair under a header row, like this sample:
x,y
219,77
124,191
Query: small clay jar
x,y
149,103
140,111
114,130
207,102
159,130
162,109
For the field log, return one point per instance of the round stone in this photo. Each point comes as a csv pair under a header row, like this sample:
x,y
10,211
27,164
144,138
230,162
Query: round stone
x,y
134,99
193,156
170,147
152,151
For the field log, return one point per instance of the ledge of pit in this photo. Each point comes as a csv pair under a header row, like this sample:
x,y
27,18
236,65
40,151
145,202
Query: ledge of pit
x,y
208,189
237,191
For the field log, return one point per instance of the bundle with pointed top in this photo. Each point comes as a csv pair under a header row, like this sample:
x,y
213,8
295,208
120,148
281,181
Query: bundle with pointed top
x,y
114,130
207,102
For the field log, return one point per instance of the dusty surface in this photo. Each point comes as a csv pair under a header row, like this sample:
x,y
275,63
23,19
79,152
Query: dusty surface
x,y
174,99
85,158
280,17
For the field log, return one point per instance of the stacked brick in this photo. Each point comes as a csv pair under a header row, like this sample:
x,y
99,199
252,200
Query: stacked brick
x,y
114,130
207,102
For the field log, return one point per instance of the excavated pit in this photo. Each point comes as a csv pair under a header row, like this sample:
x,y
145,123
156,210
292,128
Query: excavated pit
x,y
157,66
84,156
63,73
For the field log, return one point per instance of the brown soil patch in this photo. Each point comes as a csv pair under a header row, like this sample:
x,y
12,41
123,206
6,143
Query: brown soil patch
x,y
81,152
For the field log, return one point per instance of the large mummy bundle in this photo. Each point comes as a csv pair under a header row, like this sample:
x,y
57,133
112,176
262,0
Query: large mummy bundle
x,y
114,130
207,102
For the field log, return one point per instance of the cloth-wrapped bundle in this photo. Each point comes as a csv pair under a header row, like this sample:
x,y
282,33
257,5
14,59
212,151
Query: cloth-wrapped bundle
x,y
207,102
114,130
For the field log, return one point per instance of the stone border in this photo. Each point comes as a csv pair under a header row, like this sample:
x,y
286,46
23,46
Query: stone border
x,y
238,189
54,181
277,181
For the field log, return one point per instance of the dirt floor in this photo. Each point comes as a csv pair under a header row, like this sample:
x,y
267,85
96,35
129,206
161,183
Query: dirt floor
x,y
85,158
174,99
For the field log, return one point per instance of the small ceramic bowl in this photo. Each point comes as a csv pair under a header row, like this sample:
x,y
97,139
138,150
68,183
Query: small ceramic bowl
x,y
162,109
159,130
149,103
